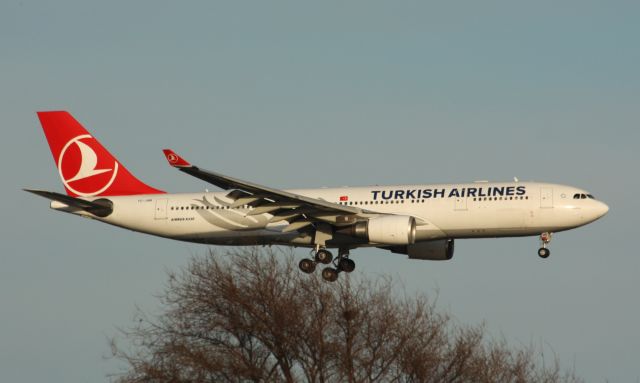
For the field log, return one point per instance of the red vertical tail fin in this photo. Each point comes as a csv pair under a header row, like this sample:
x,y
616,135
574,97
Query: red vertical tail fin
x,y
86,168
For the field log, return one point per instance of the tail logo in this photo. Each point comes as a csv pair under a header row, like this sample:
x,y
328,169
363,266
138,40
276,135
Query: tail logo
x,y
78,166
172,158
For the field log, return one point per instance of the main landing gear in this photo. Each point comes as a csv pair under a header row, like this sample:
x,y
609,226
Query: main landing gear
x,y
543,251
324,256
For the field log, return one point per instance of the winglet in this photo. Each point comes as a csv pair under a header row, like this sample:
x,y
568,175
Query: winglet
x,y
175,160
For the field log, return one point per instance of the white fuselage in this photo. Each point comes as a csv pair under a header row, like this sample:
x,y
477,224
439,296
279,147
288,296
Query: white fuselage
x,y
471,210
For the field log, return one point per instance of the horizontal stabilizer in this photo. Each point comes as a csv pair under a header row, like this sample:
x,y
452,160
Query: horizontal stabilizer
x,y
101,207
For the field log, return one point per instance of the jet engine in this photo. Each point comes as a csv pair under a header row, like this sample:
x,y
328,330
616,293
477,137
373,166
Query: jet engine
x,y
388,230
439,250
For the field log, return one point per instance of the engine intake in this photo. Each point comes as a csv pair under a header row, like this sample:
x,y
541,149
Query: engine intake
x,y
439,250
388,230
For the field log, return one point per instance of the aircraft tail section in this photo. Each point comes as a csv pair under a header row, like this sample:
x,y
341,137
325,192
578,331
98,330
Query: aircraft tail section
x,y
86,168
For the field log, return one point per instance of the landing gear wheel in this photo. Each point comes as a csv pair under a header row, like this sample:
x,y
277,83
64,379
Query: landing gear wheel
x,y
543,252
324,256
308,266
346,265
329,274
545,238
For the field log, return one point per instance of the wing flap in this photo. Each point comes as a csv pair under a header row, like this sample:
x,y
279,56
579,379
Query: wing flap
x,y
288,215
297,225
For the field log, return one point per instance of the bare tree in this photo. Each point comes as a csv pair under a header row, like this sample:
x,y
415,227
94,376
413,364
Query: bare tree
x,y
251,316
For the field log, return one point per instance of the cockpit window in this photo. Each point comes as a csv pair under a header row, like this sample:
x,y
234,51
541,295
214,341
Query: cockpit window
x,y
591,196
582,196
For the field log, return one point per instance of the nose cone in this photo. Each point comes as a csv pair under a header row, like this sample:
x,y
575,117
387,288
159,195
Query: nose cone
x,y
595,210
601,209
592,211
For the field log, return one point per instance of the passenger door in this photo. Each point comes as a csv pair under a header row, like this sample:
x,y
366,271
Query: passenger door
x,y
161,208
546,197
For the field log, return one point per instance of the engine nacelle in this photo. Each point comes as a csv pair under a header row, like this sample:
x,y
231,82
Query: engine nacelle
x,y
440,250
388,230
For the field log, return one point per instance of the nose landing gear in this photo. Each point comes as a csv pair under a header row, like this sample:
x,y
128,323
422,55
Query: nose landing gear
x,y
545,238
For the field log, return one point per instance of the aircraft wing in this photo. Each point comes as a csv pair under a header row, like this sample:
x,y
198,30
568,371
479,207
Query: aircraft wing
x,y
298,210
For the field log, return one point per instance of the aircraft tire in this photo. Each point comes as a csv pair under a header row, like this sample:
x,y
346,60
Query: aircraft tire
x,y
324,256
543,252
307,266
347,265
329,274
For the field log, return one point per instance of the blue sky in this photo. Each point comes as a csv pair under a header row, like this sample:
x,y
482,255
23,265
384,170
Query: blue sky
x,y
304,94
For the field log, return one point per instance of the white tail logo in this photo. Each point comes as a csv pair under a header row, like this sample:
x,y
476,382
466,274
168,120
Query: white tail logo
x,y
88,164
172,158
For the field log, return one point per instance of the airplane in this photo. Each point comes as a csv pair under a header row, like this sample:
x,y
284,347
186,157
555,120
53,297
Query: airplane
x,y
420,221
